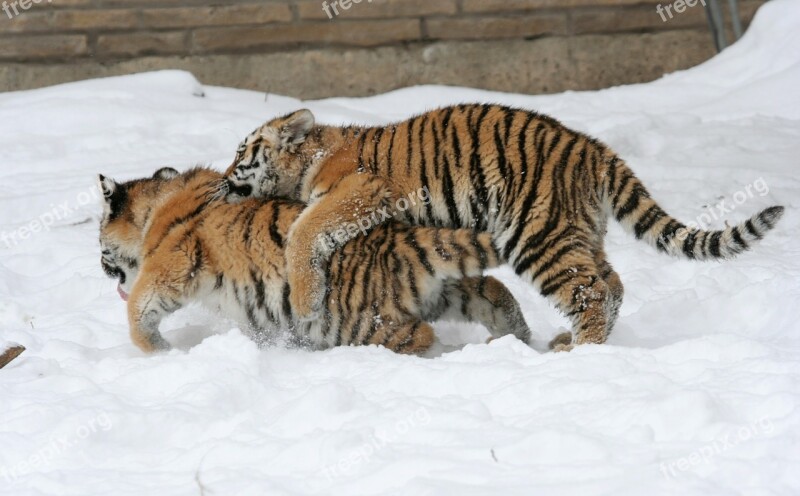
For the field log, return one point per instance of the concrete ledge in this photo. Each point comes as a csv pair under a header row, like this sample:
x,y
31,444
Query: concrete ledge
x,y
544,65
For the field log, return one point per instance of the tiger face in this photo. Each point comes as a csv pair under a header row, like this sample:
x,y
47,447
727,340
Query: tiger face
x,y
122,225
270,162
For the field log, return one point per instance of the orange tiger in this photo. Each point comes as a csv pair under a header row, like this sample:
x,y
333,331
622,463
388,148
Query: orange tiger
x,y
542,190
170,239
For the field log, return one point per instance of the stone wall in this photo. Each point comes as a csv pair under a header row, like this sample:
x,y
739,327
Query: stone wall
x,y
311,48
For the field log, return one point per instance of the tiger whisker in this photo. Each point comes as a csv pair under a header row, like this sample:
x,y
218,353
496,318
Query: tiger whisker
x,y
218,190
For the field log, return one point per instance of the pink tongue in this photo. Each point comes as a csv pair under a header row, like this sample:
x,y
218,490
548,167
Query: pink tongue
x,y
122,293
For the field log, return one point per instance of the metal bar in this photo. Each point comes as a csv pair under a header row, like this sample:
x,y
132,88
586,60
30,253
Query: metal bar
x,y
714,13
733,5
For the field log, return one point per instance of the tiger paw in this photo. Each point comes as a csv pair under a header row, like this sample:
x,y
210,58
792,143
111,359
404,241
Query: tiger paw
x,y
562,348
160,344
562,339
150,343
307,295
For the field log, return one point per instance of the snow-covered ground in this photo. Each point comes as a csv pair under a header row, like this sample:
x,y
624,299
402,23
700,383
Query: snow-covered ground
x,y
696,393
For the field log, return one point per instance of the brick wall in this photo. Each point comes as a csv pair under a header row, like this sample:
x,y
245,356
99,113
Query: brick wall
x,y
111,31
119,29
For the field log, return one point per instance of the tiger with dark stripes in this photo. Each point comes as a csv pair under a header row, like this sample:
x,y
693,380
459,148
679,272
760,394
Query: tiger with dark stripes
x,y
171,239
542,190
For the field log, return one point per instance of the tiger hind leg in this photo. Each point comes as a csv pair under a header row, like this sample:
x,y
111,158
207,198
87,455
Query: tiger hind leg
x,y
584,300
615,289
487,301
566,273
412,338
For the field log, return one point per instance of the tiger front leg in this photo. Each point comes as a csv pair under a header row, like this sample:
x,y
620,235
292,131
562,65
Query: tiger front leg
x,y
147,307
351,207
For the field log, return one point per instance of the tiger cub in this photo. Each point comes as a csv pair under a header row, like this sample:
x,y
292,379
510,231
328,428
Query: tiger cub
x,y
171,239
543,191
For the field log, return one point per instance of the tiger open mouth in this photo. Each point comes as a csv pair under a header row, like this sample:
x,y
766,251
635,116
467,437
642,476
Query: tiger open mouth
x,y
116,273
239,191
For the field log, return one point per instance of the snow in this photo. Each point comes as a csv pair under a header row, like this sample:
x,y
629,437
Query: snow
x,y
696,393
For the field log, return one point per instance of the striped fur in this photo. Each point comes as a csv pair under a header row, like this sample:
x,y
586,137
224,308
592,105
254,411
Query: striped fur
x,y
171,239
542,190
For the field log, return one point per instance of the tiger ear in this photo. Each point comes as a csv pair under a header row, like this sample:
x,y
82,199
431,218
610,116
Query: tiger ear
x,y
107,186
165,173
295,128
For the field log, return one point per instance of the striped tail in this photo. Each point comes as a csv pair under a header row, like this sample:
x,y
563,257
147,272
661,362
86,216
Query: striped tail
x,y
453,253
640,215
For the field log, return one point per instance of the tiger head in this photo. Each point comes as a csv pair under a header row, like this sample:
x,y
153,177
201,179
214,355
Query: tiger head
x,y
126,207
270,161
